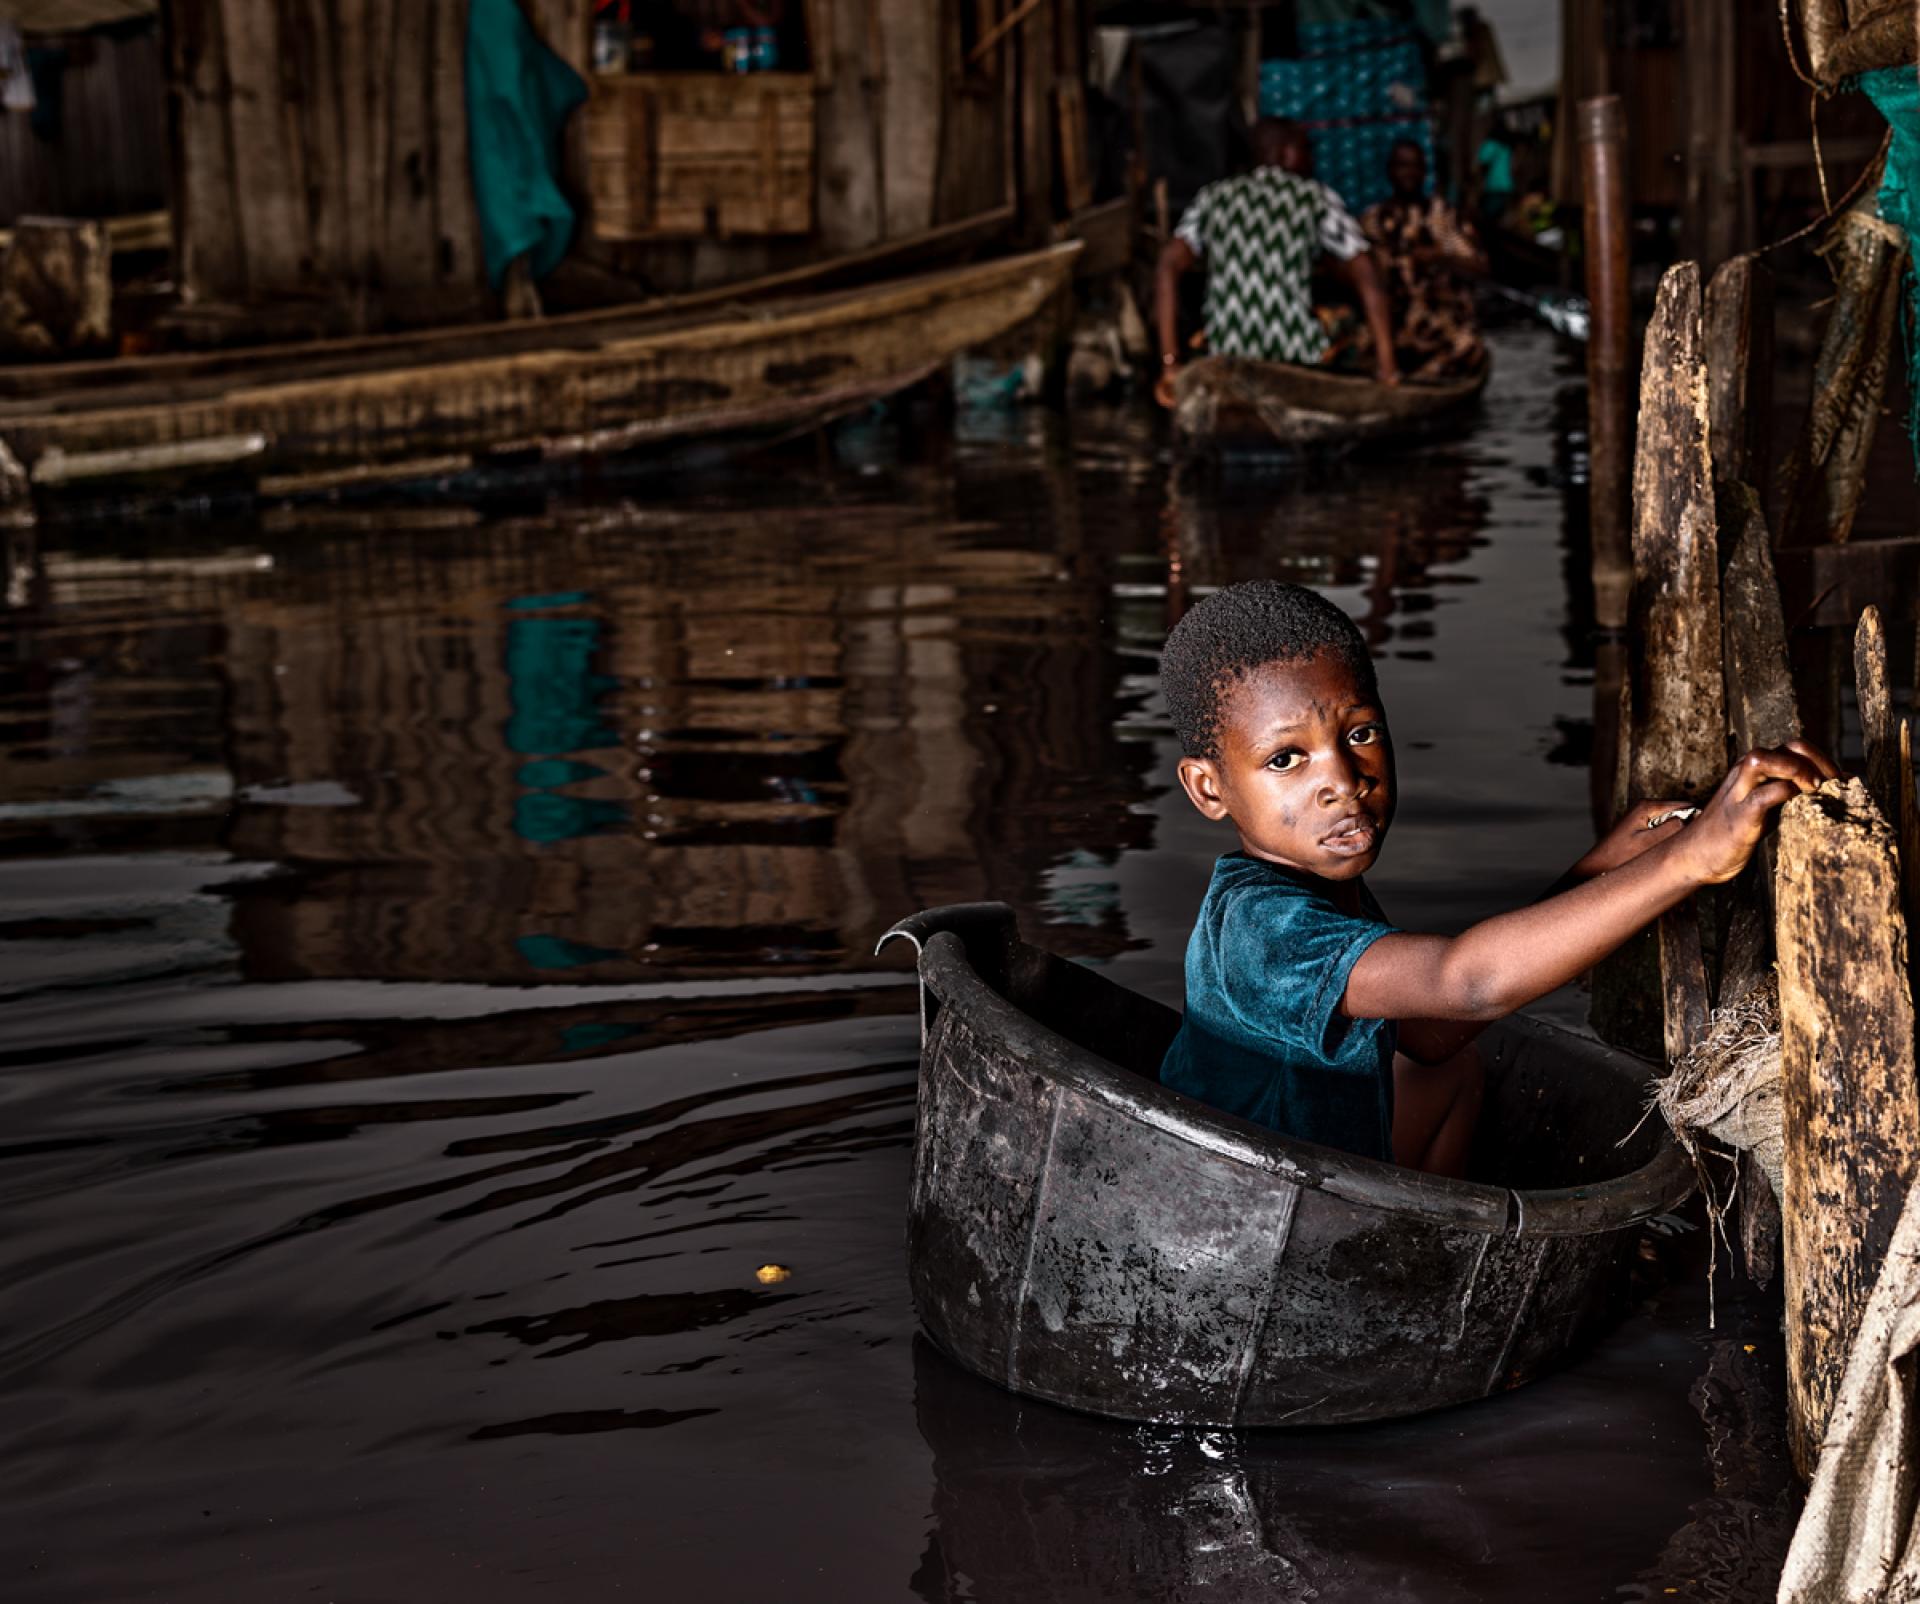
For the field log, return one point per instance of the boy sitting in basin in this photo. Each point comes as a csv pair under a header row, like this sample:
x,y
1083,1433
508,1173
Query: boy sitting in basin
x,y
1306,1011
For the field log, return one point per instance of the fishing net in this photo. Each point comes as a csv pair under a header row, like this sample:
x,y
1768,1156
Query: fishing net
x,y
1895,93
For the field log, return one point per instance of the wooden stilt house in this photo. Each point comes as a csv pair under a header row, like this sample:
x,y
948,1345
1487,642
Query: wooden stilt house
x,y
321,150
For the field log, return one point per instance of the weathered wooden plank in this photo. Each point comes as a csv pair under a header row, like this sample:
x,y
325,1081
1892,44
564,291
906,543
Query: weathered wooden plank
x,y
1761,711
1739,346
1875,703
1035,56
850,195
1684,1002
1678,702
1851,1112
449,199
1076,180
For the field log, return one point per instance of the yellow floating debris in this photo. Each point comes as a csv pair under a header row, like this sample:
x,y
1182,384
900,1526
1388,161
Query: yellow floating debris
x,y
767,1274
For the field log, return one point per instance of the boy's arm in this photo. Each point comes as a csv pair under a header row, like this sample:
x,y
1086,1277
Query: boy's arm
x,y
1504,963
1434,1041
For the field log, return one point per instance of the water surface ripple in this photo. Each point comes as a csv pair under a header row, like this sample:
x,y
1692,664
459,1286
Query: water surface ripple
x,y
437,967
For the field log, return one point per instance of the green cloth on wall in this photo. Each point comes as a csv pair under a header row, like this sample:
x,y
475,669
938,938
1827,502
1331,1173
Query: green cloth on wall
x,y
519,95
1895,93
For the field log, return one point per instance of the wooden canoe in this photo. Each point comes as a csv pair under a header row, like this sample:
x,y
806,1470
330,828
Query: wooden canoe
x,y
1079,1233
308,414
1233,402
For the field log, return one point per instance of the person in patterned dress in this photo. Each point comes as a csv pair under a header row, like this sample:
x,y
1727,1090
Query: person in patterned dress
x,y
1260,234
1424,247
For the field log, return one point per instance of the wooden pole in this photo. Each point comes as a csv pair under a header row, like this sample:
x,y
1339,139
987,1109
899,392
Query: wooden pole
x,y
1852,1114
1603,168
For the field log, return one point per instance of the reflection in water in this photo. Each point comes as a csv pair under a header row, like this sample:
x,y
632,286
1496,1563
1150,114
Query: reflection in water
x,y
439,962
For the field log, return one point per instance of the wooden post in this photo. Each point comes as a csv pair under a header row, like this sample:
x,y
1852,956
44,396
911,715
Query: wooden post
x,y
1852,1115
1740,372
1761,711
1603,163
1876,711
1678,700
1676,720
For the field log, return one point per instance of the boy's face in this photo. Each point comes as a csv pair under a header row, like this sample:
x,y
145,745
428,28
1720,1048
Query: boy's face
x,y
1305,769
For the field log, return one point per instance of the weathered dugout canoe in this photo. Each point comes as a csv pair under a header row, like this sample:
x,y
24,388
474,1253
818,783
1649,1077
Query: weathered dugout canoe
x,y
1081,1234
604,384
1230,401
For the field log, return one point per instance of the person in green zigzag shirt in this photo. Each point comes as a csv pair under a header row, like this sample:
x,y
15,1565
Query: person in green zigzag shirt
x,y
1259,235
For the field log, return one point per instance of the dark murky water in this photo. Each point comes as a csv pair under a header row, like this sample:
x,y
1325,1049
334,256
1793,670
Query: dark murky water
x,y
437,968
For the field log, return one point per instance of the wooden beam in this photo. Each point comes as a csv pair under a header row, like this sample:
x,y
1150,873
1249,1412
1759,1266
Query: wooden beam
x,y
1001,29
1852,1116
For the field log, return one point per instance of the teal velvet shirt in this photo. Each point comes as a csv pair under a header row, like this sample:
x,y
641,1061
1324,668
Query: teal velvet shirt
x,y
1263,1036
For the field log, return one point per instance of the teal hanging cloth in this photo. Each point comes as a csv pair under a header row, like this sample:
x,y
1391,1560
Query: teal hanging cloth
x,y
1895,93
519,94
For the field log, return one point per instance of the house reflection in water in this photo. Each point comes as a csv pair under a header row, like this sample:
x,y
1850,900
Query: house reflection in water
x,y
647,745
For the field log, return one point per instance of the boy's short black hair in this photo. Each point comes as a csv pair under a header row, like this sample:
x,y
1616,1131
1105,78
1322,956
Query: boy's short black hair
x,y
1242,628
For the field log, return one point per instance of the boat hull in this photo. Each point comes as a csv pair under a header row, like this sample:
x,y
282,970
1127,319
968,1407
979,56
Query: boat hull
x,y
603,386
1081,1234
1227,403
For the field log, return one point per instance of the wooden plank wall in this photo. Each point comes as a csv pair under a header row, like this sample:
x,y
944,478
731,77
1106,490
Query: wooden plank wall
x,y
320,147
322,155
110,156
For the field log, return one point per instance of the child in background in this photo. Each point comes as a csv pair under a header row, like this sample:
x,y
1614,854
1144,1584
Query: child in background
x,y
1307,1012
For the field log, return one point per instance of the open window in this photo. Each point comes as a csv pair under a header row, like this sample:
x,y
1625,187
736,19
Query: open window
x,y
701,117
